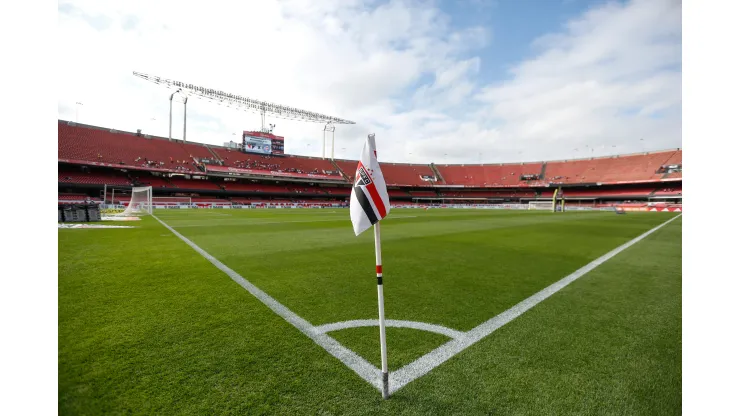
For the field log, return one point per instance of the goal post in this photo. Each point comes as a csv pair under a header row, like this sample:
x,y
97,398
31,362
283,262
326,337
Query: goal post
x,y
140,203
540,205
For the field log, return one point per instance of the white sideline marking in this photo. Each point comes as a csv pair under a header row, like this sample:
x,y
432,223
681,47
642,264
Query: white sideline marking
x,y
393,323
401,377
364,369
426,363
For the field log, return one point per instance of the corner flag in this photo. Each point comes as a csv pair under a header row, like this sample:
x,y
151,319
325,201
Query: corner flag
x,y
368,205
369,202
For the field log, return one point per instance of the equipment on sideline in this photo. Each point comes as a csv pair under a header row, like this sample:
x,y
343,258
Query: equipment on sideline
x,y
369,203
141,202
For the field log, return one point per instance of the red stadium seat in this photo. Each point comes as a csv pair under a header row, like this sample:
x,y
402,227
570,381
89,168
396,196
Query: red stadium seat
x,y
488,175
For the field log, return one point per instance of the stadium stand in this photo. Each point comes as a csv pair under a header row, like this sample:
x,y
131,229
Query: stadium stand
x,y
90,157
118,148
288,164
398,193
348,167
672,191
400,174
193,184
110,178
406,174
153,181
596,193
511,193
423,194
614,169
255,187
488,175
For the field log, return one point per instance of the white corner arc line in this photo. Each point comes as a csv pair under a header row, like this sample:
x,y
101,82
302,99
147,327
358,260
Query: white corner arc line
x,y
359,365
392,323
431,360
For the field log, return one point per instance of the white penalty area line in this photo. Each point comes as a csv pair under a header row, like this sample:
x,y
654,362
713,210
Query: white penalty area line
x,y
401,377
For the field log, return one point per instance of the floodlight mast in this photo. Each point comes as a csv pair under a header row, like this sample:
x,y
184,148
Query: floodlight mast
x,y
246,104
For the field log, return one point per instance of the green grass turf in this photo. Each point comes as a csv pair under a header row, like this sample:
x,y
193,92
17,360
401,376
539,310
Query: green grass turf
x,y
146,325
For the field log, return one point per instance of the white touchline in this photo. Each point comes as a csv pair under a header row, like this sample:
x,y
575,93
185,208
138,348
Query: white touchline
x,y
364,369
401,377
426,363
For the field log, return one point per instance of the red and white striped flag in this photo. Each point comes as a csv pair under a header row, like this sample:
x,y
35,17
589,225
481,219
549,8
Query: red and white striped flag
x,y
369,202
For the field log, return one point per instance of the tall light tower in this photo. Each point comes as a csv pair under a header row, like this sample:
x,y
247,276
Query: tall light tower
x,y
328,129
264,108
77,111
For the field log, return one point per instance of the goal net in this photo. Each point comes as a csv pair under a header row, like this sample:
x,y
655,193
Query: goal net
x,y
141,202
541,205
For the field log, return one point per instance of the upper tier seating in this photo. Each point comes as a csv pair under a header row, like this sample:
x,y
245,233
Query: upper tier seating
x,y
405,174
348,167
103,146
293,164
609,169
488,175
393,173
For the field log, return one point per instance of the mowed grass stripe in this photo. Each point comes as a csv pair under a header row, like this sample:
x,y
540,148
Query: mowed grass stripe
x,y
607,344
146,326
460,280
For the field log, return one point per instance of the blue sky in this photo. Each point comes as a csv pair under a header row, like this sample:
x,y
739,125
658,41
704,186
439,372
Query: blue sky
x,y
437,81
513,25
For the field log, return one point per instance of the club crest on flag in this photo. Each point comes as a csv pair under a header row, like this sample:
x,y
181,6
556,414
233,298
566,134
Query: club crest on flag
x,y
363,177
369,202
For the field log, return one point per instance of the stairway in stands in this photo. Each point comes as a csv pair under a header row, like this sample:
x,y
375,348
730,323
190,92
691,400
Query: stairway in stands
x,y
437,173
542,172
344,175
215,156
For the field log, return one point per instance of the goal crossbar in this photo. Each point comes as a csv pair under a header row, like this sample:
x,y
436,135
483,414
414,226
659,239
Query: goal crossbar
x,y
140,203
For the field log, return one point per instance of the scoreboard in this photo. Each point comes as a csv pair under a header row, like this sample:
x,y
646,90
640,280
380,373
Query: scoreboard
x,y
263,143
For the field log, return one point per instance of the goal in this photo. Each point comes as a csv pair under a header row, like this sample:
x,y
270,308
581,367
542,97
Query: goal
x,y
541,205
141,202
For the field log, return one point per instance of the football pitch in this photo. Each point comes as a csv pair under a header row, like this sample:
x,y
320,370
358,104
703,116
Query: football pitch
x,y
275,312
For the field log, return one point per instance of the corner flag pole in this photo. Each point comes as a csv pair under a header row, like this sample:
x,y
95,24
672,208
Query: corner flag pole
x,y
381,311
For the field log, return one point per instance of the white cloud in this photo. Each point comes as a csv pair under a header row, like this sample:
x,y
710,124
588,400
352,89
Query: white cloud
x,y
397,68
